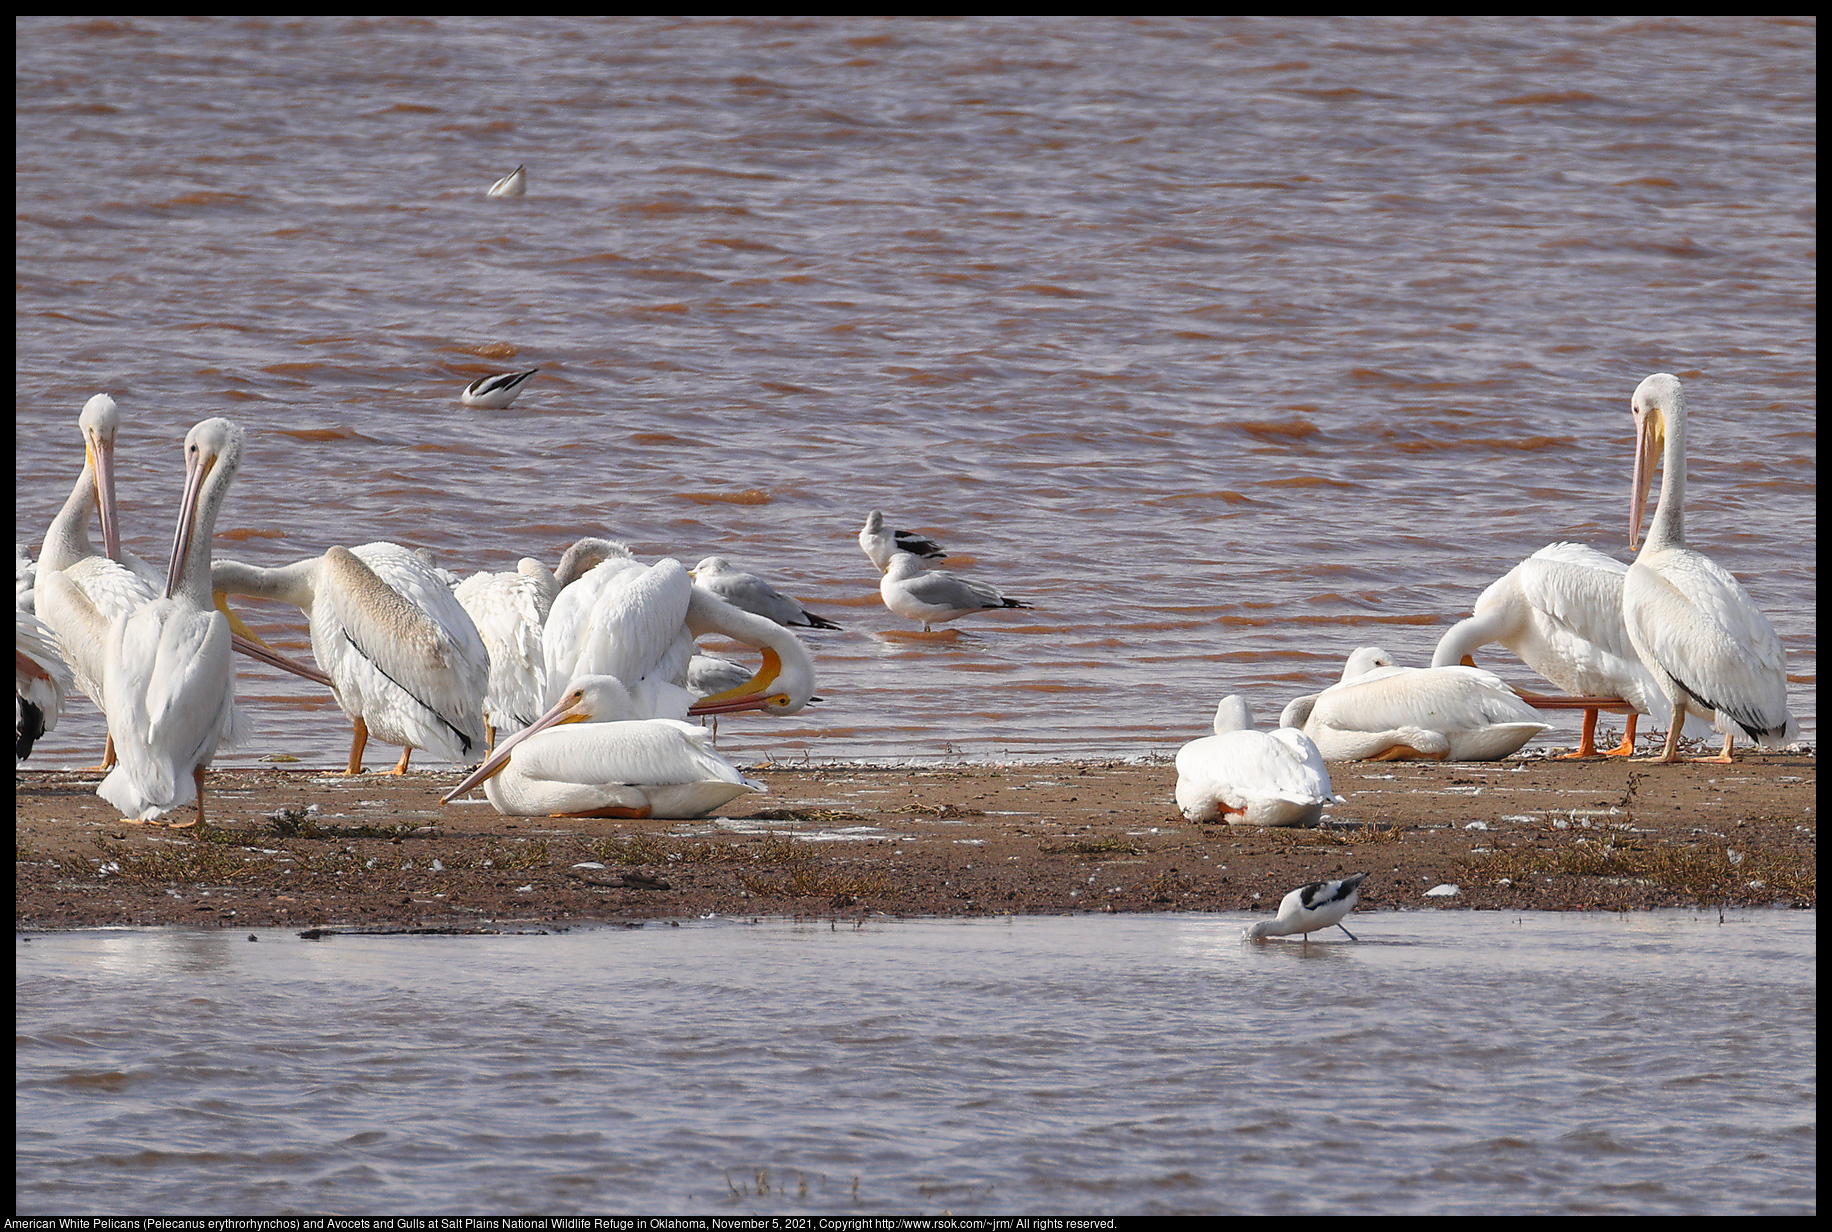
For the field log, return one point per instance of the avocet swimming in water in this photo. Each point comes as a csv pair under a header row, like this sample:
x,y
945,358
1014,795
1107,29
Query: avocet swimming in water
x,y
515,184
1309,908
495,392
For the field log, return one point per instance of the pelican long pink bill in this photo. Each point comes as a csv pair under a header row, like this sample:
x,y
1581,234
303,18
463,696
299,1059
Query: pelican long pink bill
x,y
567,710
753,694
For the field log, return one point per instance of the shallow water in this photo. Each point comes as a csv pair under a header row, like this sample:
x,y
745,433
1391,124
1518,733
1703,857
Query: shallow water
x,y
1230,344
1449,1062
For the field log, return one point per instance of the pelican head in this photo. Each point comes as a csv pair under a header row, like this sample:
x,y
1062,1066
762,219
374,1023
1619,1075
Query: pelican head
x,y
588,699
1364,661
587,554
779,687
1660,411
212,454
1232,715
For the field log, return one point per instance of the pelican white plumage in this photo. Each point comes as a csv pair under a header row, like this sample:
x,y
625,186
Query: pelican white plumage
x,y
1713,652
41,682
934,596
497,391
751,593
1311,907
881,543
405,660
1249,777
590,756
639,623
168,683
1560,611
515,184
79,592
1379,712
510,611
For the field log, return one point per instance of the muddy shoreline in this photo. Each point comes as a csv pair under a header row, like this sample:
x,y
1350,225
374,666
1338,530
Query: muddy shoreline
x,y
309,848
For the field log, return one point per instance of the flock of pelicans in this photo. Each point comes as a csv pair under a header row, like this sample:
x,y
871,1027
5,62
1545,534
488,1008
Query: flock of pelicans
x,y
592,666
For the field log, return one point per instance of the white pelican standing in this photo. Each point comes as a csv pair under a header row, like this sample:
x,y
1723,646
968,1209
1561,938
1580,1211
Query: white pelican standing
x,y
752,594
406,662
168,686
510,611
1249,777
497,391
1713,652
589,756
1311,907
639,623
1560,611
880,543
1379,712
515,184
936,596
41,682
79,592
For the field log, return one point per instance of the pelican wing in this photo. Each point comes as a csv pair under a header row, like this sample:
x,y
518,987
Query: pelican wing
x,y
630,622
640,753
169,692
509,611
1434,699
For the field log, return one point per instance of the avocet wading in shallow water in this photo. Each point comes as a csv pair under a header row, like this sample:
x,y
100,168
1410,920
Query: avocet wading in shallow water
x,y
495,392
1311,907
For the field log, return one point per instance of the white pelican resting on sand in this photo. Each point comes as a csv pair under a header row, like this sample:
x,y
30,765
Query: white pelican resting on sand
x,y
406,662
510,611
1309,908
1560,611
515,184
639,622
750,593
79,592
168,686
936,596
1696,629
1379,712
587,757
1249,777
881,543
41,682
495,392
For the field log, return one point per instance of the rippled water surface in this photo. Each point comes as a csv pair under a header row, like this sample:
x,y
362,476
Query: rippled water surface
x,y
1450,1063
1229,344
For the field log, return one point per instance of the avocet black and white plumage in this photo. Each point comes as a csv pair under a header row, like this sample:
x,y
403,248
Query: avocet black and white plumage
x,y
1308,908
880,542
495,392
515,184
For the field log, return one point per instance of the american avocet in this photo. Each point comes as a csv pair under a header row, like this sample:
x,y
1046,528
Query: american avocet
x,y
936,596
752,594
881,543
1311,907
1696,629
1251,777
515,184
495,392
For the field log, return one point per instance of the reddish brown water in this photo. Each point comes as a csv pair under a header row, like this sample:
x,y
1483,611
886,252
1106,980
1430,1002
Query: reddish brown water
x,y
1230,345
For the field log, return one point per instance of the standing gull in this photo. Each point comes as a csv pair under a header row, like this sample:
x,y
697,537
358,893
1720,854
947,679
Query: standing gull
x,y
937,596
750,593
1696,629
1311,907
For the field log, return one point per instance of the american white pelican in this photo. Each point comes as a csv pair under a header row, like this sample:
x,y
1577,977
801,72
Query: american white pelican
x,y
510,610
41,682
168,685
495,392
515,184
880,543
1309,908
79,592
1379,712
751,593
1560,611
589,757
639,622
936,596
407,664
1250,777
1709,646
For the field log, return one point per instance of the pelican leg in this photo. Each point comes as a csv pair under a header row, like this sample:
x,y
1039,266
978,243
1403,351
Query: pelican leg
x,y
400,767
108,755
489,732
1627,747
197,776
1403,752
359,737
1344,928
1587,742
1724,757
1671,753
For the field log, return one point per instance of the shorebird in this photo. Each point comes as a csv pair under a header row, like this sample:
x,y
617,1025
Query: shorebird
x,y
515,184
750,593
936,596
497,391
880,543
1311,907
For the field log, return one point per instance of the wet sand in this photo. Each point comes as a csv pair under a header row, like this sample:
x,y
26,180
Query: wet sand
x,y
310,848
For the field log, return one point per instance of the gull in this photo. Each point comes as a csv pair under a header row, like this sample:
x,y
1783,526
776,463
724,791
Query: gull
x,y
1311,907
934,597
750,593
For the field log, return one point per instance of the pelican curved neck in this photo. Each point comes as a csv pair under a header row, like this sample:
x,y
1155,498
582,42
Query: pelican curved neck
x,y
295,583
1469,635
67,538
1668,529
